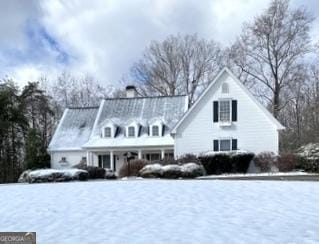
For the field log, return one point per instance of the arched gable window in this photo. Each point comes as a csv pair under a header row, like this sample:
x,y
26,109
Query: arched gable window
x,y
225,88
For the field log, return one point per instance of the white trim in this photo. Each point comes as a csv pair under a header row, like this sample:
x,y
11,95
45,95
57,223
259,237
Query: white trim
x,y
58,128
225,123
103,132
226,70
267,113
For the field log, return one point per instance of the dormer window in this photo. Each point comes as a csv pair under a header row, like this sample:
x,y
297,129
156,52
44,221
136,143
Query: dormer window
x,y
107,132
131,131
155,130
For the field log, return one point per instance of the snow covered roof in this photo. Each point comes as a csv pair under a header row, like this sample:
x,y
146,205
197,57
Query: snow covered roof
x,y
142,110
82,127
74,129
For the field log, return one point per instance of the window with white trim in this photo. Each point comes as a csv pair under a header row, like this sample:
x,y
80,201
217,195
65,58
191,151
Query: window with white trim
x,y
131,131
107,132
155,130
225,145
225,111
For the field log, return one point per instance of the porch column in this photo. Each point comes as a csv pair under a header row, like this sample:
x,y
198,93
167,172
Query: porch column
x,y
88,158
92,159
112,160
139,154
162,153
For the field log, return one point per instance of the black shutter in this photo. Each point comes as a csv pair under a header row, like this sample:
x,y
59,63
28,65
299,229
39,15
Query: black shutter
x,y
234,144
216,146
234,110
215,111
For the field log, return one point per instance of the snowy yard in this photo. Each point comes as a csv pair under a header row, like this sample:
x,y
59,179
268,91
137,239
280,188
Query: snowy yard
x,y
163,211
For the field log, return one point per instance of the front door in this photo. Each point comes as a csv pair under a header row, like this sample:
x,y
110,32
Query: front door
x,y
105,161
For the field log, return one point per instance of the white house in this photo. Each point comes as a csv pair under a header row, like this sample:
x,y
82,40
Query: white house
x,y
226,117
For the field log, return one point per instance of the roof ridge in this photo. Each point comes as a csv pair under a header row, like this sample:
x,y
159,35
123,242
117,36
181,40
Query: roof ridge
x,y
122,98
88,107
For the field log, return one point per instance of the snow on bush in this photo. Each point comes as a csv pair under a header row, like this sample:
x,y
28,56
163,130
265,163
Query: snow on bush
x,y
151,171
192,170
309,157
309,151
52,175
172,171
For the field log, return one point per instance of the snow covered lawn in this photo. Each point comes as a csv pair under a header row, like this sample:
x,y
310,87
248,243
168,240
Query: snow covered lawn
x,y
163,211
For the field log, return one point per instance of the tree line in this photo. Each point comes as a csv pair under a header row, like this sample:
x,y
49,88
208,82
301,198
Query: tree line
x,y
274,56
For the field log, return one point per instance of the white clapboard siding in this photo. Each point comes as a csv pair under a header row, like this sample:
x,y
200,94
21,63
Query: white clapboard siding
x,y
254,129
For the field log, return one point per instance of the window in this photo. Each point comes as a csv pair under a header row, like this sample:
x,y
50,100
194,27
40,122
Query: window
x,y
153,156
155,130
224,145
63,159
225,88
84,159
107,132
224,111
104,161
131,131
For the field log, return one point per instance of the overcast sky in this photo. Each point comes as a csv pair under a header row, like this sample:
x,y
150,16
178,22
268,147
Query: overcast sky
x,y
103,38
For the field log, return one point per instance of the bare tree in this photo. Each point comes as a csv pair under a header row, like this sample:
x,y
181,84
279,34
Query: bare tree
x,y
177,65
71,91
271,49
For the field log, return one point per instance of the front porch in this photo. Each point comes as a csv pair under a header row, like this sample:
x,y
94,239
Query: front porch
x,y
114,158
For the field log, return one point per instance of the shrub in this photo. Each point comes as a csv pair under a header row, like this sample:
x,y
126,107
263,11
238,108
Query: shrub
x,y
265,160
132,168
192,170
308,164
286,162
216,164
226,163
188,158
151,171
172,171
96,172
241,161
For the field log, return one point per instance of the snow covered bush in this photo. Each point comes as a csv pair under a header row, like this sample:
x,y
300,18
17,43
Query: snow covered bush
x,y
132,168
192,170
151,171
53,175
265,161
172,171
220,163
110,174
308,157
94,172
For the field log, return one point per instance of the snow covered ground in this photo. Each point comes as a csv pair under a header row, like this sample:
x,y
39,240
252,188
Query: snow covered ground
x,y
294,173
163,211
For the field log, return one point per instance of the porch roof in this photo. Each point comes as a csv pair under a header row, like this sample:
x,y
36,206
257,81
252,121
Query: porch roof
x,y
125,142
